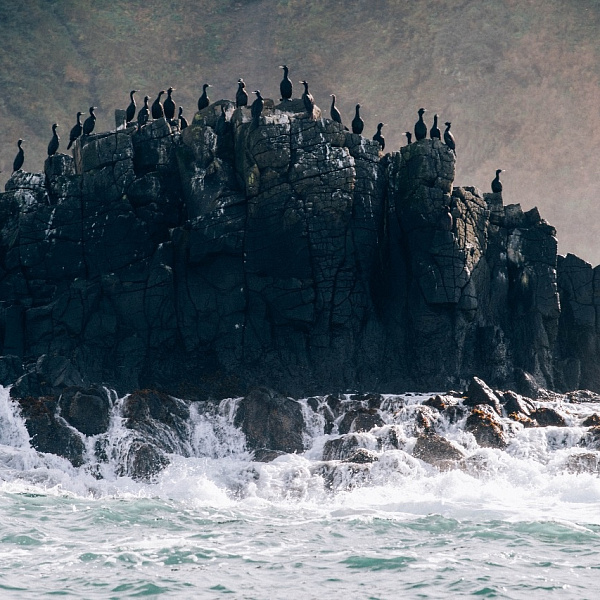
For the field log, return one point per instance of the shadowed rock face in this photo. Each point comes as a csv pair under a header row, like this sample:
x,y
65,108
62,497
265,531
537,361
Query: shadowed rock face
x,y
286,253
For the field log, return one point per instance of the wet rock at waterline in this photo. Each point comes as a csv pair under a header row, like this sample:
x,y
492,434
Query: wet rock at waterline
x,y
49,433
433,449
86,409
271,421
485,424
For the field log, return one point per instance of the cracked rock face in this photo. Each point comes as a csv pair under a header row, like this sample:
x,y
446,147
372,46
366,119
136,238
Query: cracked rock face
x,y
285,252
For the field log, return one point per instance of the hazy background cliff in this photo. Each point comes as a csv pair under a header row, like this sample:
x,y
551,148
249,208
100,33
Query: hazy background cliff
x,y
519,80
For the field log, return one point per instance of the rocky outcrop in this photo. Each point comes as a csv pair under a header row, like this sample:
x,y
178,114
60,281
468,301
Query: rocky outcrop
x,y
287,253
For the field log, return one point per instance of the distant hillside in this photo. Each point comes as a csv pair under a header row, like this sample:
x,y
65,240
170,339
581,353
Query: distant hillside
x,y
519,81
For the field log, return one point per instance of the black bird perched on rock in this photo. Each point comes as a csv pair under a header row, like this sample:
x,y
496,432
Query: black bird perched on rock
x,y
496,183
285,87
309,101
408,135
420,127
434,132
53,145
75,130
257,107
169,105
182,120
378,137
334,112
90,122
241,96
19,158
357,123
144,114
204,101
157,108
447,220
448,137
130,112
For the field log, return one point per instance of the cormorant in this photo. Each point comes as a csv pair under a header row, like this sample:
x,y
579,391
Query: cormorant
x,y
335,113
130,113
257,107
144,114
157,108
447,220
203,101
420,127
19,158
169,105
378,137
448,137
309,101
90,122
285,87
241,96
182,120
53,145
408,135
75,130
434,132
357,123
496,183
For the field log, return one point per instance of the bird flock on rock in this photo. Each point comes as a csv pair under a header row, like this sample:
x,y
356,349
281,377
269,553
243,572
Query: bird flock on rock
x,y
167,108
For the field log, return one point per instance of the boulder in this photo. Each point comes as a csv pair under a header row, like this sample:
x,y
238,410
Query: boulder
x,y
433,448
548,417
480,393
360,420
441,403
341,448
86,409
592,421
143,462
47,432
486,426
270,420
514,403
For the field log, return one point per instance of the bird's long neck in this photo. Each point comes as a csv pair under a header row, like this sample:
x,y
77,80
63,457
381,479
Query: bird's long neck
x,y
180,111
358,111
435,121
285,72
79,119
131,96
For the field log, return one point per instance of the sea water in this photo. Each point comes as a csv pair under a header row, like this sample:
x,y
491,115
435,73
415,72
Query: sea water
x,y
215,524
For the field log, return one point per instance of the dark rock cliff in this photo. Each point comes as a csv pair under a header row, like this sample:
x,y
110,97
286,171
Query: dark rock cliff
x,y
289,254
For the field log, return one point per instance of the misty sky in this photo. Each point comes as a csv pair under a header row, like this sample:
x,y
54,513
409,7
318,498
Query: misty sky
x,y
520,81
